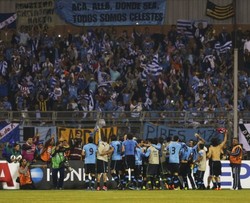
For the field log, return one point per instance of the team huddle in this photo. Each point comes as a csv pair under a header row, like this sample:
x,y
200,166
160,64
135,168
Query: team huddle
x,y
131,163
153,163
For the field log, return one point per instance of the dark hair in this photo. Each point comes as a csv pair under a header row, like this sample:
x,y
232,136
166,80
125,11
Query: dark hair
x,y
21,161
160,140
201,146
139,140
176,138
90,139
129,136
47,143
214,141
168,139
113,138
154,141
16,144
104,139
150,140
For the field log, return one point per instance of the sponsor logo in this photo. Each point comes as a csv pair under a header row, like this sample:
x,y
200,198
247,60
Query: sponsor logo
x,y
5,175
36,175
227,173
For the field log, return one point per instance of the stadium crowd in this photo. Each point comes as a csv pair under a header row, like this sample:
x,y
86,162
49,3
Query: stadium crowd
x,y
103,70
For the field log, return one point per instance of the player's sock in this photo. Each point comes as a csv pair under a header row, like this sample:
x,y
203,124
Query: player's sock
x,y
185,181
86,181
115,177
219,184
139,182
93,181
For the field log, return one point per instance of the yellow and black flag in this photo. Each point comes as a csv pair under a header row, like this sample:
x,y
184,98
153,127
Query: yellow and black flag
x,y
219,12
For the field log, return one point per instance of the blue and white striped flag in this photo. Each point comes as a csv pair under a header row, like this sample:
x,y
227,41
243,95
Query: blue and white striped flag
x,y
223,48
52,82
153,68
185,26
3,68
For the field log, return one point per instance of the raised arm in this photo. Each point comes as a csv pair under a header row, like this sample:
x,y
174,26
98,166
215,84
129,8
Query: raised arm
x,y
225,131
201,140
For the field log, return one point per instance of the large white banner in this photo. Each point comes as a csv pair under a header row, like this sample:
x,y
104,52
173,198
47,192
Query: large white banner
x,y
244,136
8,174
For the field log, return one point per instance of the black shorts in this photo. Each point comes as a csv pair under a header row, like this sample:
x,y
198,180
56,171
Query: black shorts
x,y
102,166
89,168
215,168
210,166
174,168
129,161
184,169
138,170
152,169
116,165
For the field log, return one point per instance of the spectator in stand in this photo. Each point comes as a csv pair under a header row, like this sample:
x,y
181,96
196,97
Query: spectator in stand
x,y
3,87
16,153
82,58
7,151
47,150
6,104
42,102
172,34
29,148
23,37
39,150
76,147
224,36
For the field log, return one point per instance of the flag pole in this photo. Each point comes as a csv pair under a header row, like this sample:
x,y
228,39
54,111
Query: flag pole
x,y
235,132
234,25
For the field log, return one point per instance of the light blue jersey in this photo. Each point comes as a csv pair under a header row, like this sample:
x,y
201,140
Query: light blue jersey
x,y
195,152
129,146
185,153
90,153
138,156
174,152
117,153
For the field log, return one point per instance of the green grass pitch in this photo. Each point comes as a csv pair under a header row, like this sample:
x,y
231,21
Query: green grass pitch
x,y
128,196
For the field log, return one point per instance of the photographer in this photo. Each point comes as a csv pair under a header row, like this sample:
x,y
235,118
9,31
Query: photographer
x,y
58,166
25,175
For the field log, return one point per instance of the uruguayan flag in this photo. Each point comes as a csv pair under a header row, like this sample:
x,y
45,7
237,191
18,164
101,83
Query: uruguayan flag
x,y
223,48
153,68
3,68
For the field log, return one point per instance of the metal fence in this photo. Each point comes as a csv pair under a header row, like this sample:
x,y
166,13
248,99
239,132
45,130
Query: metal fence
x,y
125,120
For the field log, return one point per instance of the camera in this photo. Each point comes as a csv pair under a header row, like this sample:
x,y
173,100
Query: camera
x,y
67,165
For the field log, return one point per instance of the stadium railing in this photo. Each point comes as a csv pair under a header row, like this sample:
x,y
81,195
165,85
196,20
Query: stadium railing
x,y
124,118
